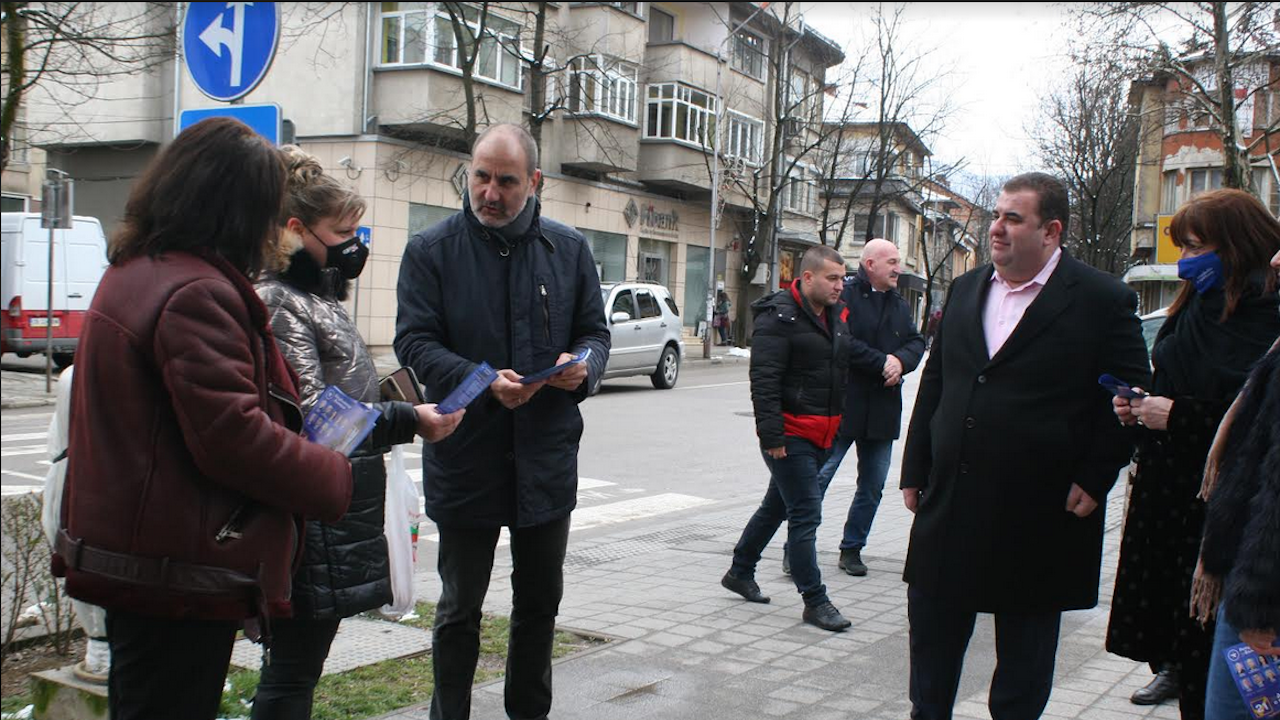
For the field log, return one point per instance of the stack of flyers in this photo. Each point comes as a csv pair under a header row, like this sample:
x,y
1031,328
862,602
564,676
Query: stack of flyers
x,y
469,389
1257,678
556,369
338,422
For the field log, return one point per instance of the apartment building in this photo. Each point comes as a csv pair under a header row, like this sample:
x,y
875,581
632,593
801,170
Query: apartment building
x,y
627,114
1180,156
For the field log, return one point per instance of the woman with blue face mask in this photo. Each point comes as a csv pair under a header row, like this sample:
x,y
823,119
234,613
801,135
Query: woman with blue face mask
x,y
1225,318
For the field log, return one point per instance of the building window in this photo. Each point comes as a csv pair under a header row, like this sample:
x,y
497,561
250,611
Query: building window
x,y
633,8
748,54
610,252
662,26
801,191
1169,193
746,138
423,216
679,112
1266,188
801,102
12,203
884,225
416,33
602,86
1205,179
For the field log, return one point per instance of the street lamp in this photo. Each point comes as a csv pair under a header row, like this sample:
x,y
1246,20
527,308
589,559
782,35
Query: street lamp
x,y
715,182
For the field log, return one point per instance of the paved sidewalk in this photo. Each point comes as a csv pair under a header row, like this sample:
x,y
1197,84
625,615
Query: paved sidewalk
x,y
689,649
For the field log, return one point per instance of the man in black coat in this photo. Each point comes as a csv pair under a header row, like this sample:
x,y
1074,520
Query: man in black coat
x,y
799,363
499,283
1011,452
885,346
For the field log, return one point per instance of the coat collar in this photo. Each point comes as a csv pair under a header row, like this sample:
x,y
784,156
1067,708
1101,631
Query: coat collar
x,y
535,228
1054,298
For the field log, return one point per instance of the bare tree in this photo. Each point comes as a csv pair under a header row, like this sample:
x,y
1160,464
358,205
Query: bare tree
x,y
951,224
879,161
1089,138
71,49
1219,67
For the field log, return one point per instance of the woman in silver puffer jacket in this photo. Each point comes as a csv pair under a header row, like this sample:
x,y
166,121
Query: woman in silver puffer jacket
x,y
345,568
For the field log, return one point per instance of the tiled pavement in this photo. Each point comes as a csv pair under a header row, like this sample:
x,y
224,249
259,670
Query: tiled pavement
x,y
687,649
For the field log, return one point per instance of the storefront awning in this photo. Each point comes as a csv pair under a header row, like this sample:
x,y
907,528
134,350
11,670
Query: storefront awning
x,y
908,281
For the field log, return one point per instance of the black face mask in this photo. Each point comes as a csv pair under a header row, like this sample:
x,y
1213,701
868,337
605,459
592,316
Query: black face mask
x,y
348,257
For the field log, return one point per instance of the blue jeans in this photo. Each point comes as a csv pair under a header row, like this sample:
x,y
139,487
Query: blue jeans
x,y
1222,698
793,496
873,467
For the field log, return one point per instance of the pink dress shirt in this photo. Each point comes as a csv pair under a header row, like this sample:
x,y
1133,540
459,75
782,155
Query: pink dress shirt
x,y
1006,304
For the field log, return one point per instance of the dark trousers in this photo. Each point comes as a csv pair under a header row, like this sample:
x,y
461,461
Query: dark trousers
x,y
298,651
163,668
1026,645
794,496
465,561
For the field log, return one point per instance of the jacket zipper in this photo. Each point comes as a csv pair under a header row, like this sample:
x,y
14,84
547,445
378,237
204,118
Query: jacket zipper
x,y
546,311
278,395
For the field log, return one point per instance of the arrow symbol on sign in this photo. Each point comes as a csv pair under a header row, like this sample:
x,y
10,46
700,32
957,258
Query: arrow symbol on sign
x,y
215,37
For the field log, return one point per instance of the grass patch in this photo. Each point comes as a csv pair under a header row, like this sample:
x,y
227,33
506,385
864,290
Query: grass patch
x,y
393,684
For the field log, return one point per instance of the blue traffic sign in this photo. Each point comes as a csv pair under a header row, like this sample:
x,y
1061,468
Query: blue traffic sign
x,y
365,233
229,46
262,119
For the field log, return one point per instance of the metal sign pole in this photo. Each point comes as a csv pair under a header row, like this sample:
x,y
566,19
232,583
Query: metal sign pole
x,y
55,213
48,323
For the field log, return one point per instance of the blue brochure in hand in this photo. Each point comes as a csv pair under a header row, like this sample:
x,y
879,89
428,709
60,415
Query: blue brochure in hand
x,y
1119,388
339,422
1257,678
479,379
556,369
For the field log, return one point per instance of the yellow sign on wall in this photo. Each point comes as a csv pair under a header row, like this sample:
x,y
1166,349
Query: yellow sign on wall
x,y
1166,252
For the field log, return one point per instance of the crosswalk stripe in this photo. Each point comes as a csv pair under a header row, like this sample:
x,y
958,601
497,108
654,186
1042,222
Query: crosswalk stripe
x,y
620,512
23,475
24,450
20,489
24,437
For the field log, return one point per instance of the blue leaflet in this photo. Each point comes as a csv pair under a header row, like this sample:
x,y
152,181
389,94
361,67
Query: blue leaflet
x,y
338,422
1257,678
468,390
556,369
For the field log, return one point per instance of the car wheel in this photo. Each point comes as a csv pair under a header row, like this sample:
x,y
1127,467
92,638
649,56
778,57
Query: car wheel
x,y
664,378
63,360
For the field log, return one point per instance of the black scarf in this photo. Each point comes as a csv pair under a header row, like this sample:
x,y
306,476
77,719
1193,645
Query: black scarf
x,y
1199,355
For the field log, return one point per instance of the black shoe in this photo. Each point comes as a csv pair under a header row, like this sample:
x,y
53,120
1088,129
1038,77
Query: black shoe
x,y
826,616
786,563
851,562
1164,686
747,588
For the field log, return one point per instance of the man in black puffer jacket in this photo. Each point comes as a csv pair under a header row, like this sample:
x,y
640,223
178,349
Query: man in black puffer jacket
x,y
799,367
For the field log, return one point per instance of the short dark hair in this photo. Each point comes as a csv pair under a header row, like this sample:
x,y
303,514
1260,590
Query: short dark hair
x,y
815,256
521,136
218,187
1051,193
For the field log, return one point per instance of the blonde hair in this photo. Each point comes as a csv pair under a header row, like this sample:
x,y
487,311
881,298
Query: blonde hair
x,y
311,194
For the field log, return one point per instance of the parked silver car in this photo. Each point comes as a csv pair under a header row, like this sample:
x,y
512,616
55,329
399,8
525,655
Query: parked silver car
x,y
646,327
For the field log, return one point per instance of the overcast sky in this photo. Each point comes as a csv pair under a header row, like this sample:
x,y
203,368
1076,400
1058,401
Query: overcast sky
x,y
1004,55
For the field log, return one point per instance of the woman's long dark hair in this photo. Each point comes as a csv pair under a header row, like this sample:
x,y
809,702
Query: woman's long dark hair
x,y
217,188
1242,231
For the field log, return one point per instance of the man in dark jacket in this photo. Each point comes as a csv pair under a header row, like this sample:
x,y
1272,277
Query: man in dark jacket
x,y
500,284
1011,452
885,346
799,363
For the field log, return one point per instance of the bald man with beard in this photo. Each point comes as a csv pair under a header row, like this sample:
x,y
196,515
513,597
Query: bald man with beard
x,y
885,346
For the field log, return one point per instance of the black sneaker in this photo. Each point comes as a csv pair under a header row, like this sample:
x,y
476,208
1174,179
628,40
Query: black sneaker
x,y
851,562
827,617
745,587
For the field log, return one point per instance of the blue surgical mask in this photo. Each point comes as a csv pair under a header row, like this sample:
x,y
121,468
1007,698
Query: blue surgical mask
x,y
1205,271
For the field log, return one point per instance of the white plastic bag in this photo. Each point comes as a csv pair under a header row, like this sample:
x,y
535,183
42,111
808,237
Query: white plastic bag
x,y
400,526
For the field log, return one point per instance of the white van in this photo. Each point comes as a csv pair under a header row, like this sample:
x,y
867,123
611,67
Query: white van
x,y
80,259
